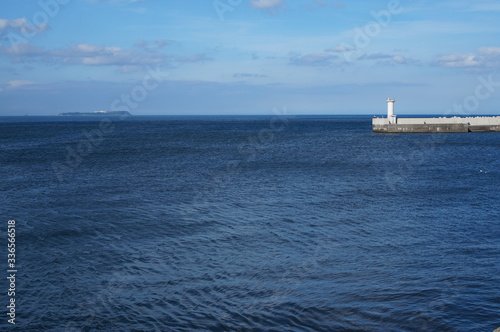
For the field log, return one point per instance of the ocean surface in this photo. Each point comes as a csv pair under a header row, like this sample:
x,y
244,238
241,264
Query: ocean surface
x,y
250,223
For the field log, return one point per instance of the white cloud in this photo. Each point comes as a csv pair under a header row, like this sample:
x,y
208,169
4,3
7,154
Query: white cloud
x,y
158,44
388,59
399,59
128,59
489,51
404,60
311,59
485,57
340,49
271,6
130,69
21,25
457,60
15,24
84,54
22,49
19,83
264,4
375,56
246,75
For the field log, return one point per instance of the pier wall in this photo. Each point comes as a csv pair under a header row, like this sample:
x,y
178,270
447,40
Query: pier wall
x,y
437,125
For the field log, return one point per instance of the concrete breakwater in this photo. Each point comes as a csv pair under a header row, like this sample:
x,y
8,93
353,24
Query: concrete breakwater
x,y
437,125
393,124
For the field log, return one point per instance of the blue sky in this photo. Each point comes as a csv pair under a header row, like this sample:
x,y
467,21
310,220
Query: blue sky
x,y
249,57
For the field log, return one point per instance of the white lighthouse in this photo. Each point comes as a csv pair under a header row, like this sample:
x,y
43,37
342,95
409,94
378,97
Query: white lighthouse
x,y
390,110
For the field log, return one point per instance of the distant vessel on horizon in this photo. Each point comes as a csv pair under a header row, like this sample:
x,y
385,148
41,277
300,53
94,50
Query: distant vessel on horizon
x,y
95,113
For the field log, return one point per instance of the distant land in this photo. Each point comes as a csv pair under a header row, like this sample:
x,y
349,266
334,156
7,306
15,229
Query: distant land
x,y
113,113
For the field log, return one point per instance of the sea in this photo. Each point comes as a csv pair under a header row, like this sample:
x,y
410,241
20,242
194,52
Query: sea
x,y
246,223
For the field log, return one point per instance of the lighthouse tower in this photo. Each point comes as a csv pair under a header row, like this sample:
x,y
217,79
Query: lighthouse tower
x,y
390,111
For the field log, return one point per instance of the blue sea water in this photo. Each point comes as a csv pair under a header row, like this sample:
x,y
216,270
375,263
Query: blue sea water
x,y
248,224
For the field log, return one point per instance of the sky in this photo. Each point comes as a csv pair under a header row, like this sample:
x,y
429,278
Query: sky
x,y
222,57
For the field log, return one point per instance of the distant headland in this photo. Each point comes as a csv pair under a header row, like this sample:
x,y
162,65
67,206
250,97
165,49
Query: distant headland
x,y
96,113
